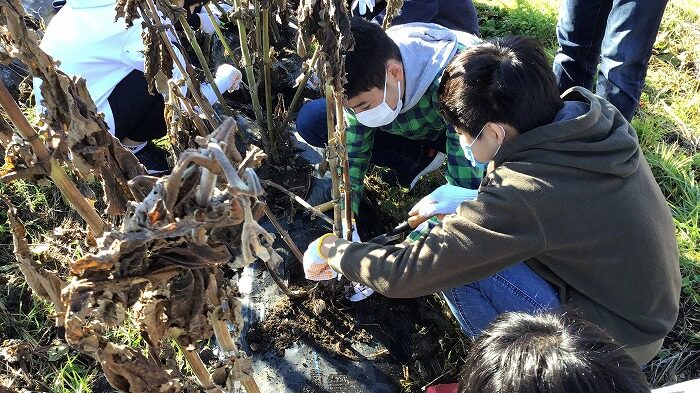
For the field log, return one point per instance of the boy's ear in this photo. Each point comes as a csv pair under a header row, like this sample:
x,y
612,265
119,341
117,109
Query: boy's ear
x,y
395,69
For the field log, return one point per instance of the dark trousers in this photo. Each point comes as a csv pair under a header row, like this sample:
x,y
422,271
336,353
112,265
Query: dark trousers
x,y
137,114
618,33
453,14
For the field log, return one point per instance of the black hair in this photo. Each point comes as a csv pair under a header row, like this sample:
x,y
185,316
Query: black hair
x,y
365,64
506,80
548,353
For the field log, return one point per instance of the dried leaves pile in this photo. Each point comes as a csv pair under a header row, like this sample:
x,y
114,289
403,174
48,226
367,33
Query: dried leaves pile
x,y
160,268
161,265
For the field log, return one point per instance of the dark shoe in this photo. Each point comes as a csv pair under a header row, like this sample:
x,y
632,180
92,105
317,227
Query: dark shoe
x,y
154,158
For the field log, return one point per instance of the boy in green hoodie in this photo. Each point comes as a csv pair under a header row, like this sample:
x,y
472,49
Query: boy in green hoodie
x,y
569,213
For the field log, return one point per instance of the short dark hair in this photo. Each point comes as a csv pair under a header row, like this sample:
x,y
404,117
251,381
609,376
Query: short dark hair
x,y
365,64
506,80
548,353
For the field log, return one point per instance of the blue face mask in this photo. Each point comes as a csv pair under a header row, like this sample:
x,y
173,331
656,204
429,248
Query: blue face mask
x,y
467,147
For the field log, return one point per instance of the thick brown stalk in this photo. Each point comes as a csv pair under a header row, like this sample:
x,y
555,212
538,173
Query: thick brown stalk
x,y
223,337
332,156
51,165
194,89
347,194
203,63
198,368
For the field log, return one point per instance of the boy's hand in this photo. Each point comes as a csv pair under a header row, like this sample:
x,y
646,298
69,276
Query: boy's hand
x,y
444,200
363,5
316,266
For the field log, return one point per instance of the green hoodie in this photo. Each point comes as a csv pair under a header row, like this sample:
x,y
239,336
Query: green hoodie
x,y
576,200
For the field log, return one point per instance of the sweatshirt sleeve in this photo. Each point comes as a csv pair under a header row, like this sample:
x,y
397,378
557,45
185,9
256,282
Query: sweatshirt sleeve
x,y
488,234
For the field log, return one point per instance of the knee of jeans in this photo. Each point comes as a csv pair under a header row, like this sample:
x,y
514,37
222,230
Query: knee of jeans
x,y
311,123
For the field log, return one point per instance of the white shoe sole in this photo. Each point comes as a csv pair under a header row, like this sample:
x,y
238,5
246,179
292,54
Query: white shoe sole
x,y
434,165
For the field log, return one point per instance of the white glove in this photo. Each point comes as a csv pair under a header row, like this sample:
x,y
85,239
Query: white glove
x,y
228,78
363,5
444,200
205,25
355,235
316,266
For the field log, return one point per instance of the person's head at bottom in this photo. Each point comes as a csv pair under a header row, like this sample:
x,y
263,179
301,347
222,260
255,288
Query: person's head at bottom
x,y
548,353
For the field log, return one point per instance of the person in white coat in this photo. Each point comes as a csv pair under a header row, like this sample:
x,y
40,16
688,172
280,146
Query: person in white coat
x,y
86,39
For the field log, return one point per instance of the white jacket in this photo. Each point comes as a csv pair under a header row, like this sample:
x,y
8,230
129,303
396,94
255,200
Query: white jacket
x,y
87,41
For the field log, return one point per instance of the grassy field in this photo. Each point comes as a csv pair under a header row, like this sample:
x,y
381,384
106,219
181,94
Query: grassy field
x,y
668,123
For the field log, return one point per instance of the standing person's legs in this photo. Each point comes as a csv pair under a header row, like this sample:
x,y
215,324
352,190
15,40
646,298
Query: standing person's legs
x,y
580,32
629,38
517,288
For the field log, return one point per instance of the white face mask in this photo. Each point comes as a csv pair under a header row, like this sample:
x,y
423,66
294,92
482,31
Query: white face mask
x,y
382,114
467,147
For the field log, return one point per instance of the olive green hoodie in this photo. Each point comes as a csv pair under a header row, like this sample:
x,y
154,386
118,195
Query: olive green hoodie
x,y
577,202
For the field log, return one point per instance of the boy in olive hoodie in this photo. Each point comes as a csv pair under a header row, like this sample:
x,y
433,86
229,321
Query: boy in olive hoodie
x,y
569,213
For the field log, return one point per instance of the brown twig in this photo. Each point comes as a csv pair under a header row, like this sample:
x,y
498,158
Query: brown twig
x,y
285,235
314,212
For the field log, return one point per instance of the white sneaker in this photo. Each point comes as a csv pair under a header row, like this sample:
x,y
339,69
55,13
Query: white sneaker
x,y
361,292
435,164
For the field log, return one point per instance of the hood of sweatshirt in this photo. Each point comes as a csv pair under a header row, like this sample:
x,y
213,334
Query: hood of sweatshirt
x,y
90,3
426,49
599,140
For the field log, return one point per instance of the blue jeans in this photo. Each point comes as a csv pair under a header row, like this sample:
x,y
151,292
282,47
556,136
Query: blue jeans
x,y
618,33
517,288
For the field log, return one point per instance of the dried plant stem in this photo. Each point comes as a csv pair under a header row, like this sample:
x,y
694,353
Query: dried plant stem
x,y
393,7
267,66
203,62
223,337
332,156
347,194
300,89
51,165
248,65
314,212
208,179
222,37
198,368
194,90
285,235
